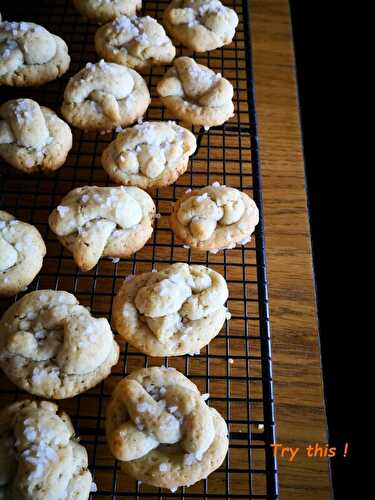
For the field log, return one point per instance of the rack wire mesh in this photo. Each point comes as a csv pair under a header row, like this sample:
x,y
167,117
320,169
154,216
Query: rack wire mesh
x,y
235,368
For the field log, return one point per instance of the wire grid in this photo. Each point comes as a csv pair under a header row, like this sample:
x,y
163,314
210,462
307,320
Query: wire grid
x,y
235,368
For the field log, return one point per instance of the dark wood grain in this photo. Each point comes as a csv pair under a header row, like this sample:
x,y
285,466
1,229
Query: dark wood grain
x,y
300,414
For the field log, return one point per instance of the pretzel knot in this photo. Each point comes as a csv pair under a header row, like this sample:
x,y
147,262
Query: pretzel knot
x,y
52,346
105,95
97,221
30,55
171,312
214,218
201,25
21,254
159,425
32,136
196,94
217,205
39,457
102,11
149,154
137,42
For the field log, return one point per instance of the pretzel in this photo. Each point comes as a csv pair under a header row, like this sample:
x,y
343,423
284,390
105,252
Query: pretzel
x,y
102,11
200,25
171,312
32,137
52,347
103,96
21,254
137,42
196,94
214,218
162,431
94,222
40,458
30,55
149,155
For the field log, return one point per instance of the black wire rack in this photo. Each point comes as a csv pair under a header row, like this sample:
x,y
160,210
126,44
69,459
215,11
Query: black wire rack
x,y
235,368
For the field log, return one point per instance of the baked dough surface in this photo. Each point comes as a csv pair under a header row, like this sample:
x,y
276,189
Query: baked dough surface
x,y
32,137
200,25
94,222
30,55
149,155
52,347
171,312
103,96
214,218
196,94
137,42
22,250
40,459
161,430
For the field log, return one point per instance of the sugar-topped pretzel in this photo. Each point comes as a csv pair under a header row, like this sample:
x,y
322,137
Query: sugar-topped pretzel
x,y
94,222
137,42
30,55
160,428
102,11
149,155
200,25
53,347
214,218
196,94
21,254
32,137
171,312
103,96
40,458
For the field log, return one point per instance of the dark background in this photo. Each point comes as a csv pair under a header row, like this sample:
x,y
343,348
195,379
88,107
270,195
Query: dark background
x,y
325,101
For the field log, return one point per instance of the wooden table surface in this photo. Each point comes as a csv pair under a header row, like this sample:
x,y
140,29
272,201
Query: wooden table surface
x,y
300,415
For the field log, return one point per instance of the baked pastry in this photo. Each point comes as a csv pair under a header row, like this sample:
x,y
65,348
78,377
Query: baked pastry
x,y
32,137
161,430
103,96
40,458
196,94
21,254
200,25
30,55
171,312
102,11
52,347
94,222
214,218
149,155
137,42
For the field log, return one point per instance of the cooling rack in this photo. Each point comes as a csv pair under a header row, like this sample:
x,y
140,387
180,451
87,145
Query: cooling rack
x,y
235,368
